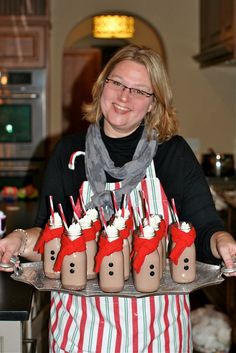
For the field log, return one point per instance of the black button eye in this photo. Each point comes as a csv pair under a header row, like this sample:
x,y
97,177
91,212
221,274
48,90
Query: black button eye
x,y
72,264
52,252
111,273
186,268
152,273
151,267
110,264
186,260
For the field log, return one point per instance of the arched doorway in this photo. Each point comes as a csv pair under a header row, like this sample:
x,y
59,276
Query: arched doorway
x,y
83,59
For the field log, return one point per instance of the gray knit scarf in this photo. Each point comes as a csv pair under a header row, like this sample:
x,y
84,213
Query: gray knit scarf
x,y
98,161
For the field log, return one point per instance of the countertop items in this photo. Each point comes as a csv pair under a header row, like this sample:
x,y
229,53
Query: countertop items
x,y
15,299
218,164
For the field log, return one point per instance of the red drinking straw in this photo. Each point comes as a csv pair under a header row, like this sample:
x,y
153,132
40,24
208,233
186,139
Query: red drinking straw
x,y
74,208
103,218
63,216
175,210
81,202
51,208
140,222
72,202
145,204
114,201
147,208
78,207
124,205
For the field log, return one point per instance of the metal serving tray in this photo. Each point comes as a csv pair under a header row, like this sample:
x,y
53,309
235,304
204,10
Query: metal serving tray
x,y
207,275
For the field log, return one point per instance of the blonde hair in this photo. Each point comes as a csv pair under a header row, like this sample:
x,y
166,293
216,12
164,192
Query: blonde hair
x,y
162,117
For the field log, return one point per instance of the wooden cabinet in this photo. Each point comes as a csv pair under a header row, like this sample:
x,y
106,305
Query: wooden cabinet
x,y
23,45
217,32
24,32
10,342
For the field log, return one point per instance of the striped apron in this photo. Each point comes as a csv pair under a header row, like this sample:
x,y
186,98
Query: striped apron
x,y
153,324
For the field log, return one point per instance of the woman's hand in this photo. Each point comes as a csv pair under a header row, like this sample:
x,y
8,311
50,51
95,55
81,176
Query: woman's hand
x,y
19,242
223,245
9,246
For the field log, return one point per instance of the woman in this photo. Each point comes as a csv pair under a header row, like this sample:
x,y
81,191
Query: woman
x,y
131,141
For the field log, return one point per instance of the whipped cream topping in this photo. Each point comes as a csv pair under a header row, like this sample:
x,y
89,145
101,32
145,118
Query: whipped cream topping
x,y
57,220
145,222
85,222
119,223
112,233
74,230
125,211
148,232
92,213
155,221
185,227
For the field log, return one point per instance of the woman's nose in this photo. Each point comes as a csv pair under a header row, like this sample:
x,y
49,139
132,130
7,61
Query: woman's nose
x,y
124,93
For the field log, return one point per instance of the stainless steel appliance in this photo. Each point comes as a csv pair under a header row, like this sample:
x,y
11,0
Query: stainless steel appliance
x,y
22,119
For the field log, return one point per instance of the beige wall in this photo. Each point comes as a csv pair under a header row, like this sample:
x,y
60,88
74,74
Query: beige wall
x,y
204,98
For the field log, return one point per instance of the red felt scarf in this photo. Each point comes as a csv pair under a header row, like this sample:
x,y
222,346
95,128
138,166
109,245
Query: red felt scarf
x,y
107,248
124,233
182,240
130,223
89,233
68,247
160,233
143,247
97,225
47,235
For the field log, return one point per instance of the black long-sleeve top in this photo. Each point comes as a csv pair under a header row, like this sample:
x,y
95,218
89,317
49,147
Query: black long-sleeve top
x,y
176,166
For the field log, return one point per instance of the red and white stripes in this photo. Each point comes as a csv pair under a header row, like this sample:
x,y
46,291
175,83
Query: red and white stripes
x,y
153,324
120,325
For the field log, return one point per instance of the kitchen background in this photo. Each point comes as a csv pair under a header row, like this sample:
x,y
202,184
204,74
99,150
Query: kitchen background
x,y
55,38
205,98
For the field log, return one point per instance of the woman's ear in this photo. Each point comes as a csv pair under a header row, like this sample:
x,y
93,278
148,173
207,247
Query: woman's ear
x,y
150,108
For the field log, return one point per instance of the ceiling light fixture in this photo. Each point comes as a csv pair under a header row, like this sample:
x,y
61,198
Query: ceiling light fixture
x,y
113,26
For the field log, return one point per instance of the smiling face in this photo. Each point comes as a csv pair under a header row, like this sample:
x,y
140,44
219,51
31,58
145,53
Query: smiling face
x,y
123,112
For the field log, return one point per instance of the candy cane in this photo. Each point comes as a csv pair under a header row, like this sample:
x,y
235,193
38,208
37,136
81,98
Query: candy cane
x,y
75,154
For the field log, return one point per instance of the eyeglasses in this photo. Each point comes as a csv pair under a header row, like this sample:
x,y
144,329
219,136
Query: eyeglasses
x,y
135,92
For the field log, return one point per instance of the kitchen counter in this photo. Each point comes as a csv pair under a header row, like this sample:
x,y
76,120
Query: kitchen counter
x,y
15,297
15,309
